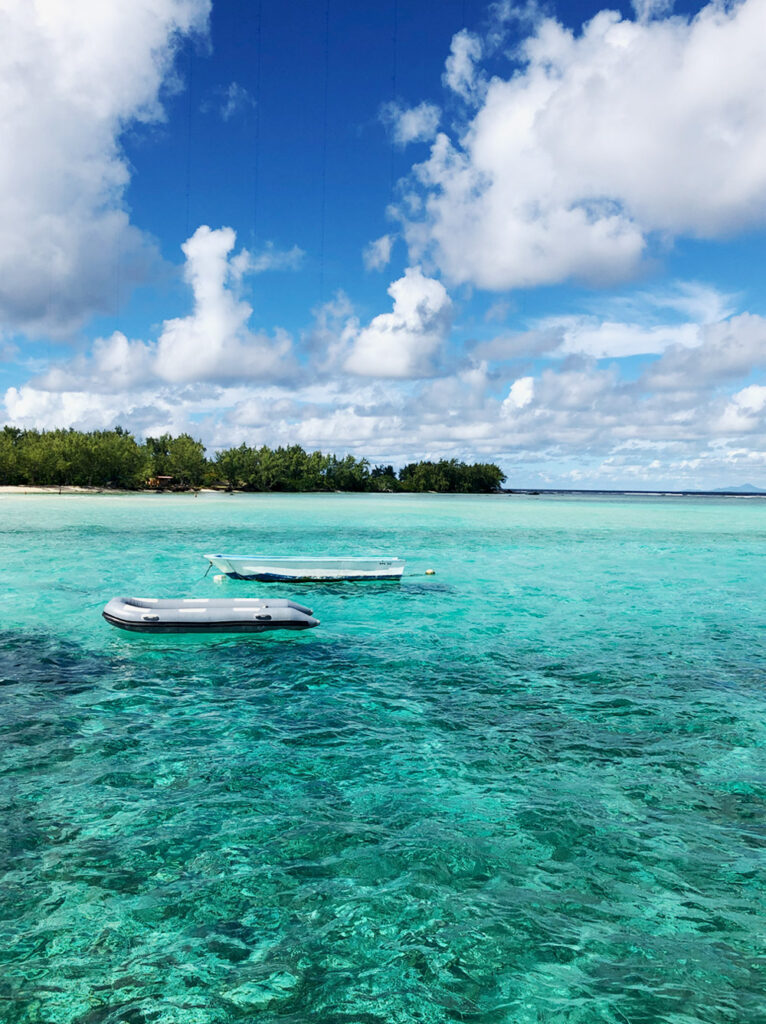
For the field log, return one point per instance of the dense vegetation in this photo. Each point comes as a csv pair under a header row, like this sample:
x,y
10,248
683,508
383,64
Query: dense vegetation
x,y
113,458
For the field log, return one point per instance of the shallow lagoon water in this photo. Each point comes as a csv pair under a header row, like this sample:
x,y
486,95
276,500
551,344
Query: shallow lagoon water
x,y
529,789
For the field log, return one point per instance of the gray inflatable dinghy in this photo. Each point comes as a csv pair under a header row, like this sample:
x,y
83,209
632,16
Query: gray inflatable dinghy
x,y
207,615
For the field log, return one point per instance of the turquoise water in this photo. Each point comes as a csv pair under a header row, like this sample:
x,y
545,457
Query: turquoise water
x,y
529,789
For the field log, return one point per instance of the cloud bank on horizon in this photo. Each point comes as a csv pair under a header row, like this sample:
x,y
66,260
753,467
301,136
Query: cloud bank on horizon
x,y
555,305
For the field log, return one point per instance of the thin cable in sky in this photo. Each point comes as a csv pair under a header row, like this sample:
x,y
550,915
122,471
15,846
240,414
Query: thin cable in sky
x,y
257,126
394,70
323,193
188,142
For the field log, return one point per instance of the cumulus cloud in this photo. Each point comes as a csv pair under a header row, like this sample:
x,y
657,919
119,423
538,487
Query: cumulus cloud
x,y
691,409
405,342
330,337
213,343
413,124
460,72
590,148
682,404
378,253
745,411
727,350
67,247
114,364
32,407
595,145
521,393
575,422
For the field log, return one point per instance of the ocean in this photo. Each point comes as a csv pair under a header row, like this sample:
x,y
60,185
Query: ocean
x,y
528,789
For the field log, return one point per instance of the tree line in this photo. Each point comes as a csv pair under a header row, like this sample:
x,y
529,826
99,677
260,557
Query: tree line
x,y
115,459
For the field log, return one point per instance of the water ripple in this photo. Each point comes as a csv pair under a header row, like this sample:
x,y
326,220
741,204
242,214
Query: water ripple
x,y
429,809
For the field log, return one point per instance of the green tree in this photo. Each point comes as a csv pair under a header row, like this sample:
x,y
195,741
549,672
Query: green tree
x,y
113,458
158,449
347,474
10,445
383,478
449,475
186,461
233,465
118,461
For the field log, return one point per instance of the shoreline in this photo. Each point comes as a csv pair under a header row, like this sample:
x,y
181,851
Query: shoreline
x,y
519,492
74,489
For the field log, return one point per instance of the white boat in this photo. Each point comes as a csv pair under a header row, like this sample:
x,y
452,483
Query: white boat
x,y
293,568
207,615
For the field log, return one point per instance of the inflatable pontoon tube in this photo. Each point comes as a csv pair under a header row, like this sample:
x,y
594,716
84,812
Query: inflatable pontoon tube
x,y
207,615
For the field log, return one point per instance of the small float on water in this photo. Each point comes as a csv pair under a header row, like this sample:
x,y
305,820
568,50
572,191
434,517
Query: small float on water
x,y
207,615
297,569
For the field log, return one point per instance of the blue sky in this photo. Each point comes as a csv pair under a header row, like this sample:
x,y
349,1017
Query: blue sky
x,y
519,233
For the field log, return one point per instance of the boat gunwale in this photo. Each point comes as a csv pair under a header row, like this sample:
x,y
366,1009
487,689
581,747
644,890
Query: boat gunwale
x,y
325,559
235,626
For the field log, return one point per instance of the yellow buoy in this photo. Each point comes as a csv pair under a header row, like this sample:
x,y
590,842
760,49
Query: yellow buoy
x,y
430,572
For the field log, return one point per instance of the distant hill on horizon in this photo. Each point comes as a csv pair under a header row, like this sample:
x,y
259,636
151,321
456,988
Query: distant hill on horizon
x,y
741,489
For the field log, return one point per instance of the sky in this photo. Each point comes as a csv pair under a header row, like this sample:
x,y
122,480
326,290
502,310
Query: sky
x,y
511,232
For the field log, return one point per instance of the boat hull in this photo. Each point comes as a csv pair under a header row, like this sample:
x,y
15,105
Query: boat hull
x,y
273,569
206,615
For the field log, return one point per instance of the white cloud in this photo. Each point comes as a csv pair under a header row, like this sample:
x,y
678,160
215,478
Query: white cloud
x,y
693,413
597,143
460,74
405,342
521,393
570,417
695,300
603,339
503,13
727,350
213,343
572,165
269,258
67,91
228,101
619,327
498,311
236,100
752,398
378,253
413,124
30,407
648,9
332,334
519,345
115,364
455,400
744,412
696,410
